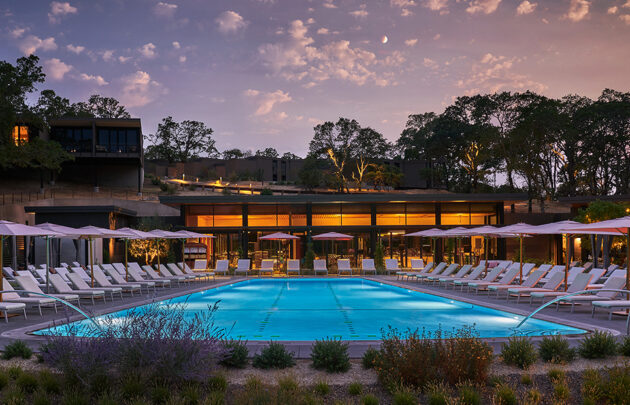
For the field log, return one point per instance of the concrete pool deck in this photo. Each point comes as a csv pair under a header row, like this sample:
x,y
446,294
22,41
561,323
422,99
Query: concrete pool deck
x,y
19,328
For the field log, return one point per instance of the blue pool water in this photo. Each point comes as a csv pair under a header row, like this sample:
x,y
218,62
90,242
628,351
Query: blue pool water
x,y
351,309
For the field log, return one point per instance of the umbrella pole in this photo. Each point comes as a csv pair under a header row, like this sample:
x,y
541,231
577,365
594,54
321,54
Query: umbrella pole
x,y
628,262
47,264
91,256
520,279
1,264
183,251
126,262
485,272
157,244
566,265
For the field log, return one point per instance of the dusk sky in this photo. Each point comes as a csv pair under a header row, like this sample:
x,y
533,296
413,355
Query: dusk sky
x,y
264,72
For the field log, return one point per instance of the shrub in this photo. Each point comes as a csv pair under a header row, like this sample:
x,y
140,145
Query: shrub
x,y
266,191
616,387
533,397
598,346
273,356
330,355
369,358
237,357
4,380
49,382
322,388
217,383
555,349
369,399
160,394
494,381
469,395
41,398
214,398
156,342
355,388
14,396
437,394
591,385
561,393
191,394
519,352
624,347
556,375
414,359
132,387
504,395
526,379
74,397
17,349
27,382
404,396
14,372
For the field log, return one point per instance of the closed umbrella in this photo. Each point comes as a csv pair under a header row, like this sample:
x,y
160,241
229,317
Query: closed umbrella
x,y
8,228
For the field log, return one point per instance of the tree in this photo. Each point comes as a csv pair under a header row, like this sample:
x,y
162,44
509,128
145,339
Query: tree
x,y
50,106
98,106
311,174
268,153
383,176
236,154
290,156
180,142
149,249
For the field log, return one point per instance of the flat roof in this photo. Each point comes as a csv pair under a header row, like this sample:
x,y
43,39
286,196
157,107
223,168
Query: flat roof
x,y
79,209
175,200
585,199
108,122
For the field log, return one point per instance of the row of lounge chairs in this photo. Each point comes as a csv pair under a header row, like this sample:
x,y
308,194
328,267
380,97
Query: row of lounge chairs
x,y
243,266
73,283
539,285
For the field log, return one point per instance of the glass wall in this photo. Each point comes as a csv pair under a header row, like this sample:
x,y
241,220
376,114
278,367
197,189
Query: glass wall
x,y
73,139
326,214
20,135
117,140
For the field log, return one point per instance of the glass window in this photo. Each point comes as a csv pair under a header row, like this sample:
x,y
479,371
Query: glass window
x,y
390,214
456,214
326,215
228,215
295,213
262,215
20,135
420,214
355,215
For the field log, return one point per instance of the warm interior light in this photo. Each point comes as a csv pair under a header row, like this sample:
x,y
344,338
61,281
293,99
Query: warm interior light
x,y
20,135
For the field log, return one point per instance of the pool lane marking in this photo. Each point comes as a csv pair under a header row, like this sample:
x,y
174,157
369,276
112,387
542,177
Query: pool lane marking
x,y
344,313
265,321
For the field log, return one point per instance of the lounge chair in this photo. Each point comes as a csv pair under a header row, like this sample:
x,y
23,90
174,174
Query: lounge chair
x,y
63,272
460,273
343,266
437,270
266,266
80,284
615,273
200,265
62,288
551,285
611,306
8,272
446,273
473,275
174,268
196,271
527,268
41,274
242,266
587,266
555,269
82,273
28,274
531,281
222,267
120,279
32,301
151,274
164,272
293,266
391,265
63,264
491,276
27,284
7,307
137,278
367,265
102,281
417,265
319,266
579,283
613,283
506,279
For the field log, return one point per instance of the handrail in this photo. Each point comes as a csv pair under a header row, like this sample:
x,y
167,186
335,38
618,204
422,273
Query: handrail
x,y
57,299
553,301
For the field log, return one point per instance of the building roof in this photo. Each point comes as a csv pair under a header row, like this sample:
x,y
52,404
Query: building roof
x,y
174,200
107,122
83,209
586,199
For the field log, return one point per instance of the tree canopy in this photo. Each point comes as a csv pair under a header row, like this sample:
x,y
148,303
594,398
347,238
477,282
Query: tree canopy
x,y
181,141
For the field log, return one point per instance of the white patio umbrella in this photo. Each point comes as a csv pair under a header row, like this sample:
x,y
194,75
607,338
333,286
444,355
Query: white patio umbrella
x,y
59,231
184,234
93,232
620,226
457,233
132,234
487,231
8,228
519,230
160,234
430,233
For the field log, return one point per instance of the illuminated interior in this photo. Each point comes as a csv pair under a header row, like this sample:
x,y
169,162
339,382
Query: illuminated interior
x,y
20,135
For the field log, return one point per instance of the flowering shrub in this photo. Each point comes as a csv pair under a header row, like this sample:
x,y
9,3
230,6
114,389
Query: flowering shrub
x,y
415,358
158,343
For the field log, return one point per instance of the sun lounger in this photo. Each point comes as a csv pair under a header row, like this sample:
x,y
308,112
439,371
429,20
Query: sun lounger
x,y
551,285
587,266
367,265
82,273
31,301
136,277
293,266
613,283
63,272
531,281
62,288
27,284
417,267
7,307
120,279
63,264
101,280
492,275
174,268
266,266
80,284
151,274
195,272
343,266
391,265
222,267
506,279
242,266
200,265
163,271
555,269
460,273
611,306
8,272
436,271
28,274
615,273
473,275
446,273
579,283
319,266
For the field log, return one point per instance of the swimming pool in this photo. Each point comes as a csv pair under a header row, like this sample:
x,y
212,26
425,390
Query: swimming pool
x,y
350,309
